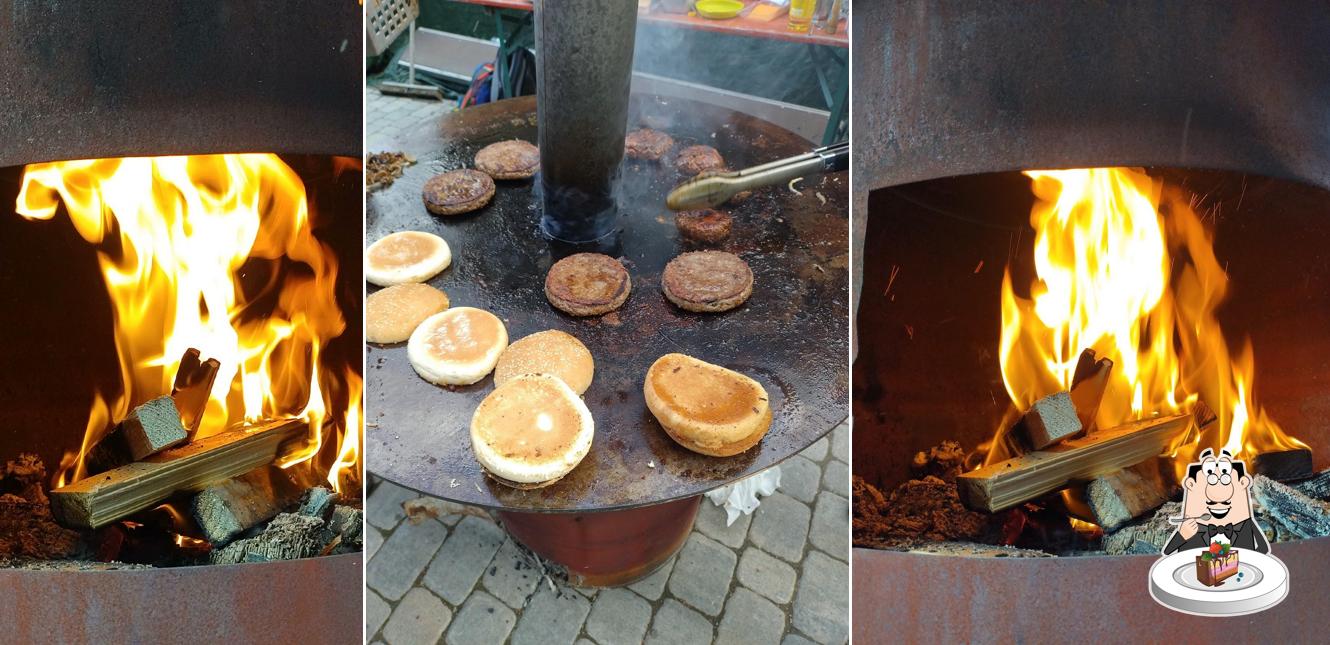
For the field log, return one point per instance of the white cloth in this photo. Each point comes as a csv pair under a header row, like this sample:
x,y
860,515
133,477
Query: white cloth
x,y
741,496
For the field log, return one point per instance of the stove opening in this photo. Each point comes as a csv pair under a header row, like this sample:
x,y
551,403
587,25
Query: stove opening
x,y
1043,353
183,367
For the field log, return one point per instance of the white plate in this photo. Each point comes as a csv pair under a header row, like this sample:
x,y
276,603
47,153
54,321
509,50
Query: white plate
x,y
1261,583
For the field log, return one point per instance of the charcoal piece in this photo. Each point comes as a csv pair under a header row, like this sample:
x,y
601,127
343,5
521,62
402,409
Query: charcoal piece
x,y
1284,465
1303,516
349,524
1050,420
1318,487
1145,535
318,502
288,536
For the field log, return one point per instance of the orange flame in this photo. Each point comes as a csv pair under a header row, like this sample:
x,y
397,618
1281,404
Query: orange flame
x,y
217,253
1115,275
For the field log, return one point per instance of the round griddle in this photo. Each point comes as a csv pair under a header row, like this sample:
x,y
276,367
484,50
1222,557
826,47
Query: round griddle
x,y
791,335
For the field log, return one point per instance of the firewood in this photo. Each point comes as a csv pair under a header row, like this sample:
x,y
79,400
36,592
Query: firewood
x,y
1317,487
95,501
318,502
1284,465
228,508
289,536
1119,497
1007,483
1088,383
149,429
1050,420
1303,516
193,388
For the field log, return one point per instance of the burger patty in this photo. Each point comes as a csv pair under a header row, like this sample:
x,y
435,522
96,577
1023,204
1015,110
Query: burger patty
x,y
514,159
647,144
457,191
707,281
704,225
694,160
587,284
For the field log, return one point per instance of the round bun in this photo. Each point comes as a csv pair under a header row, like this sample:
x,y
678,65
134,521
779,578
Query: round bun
x,y
408,256
458,346
706,408
392,314
587,284
548,352
457,191
532,429
515,159
707,281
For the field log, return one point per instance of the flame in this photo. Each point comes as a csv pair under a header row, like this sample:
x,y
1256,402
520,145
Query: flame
x,y
1138,285
216,253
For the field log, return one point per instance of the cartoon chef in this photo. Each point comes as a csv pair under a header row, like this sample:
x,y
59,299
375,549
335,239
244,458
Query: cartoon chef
x,y
1216,506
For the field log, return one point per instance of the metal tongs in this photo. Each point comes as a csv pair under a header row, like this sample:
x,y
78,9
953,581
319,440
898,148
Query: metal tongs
x,y
714,190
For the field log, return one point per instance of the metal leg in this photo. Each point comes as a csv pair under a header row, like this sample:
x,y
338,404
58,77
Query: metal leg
x,y
836,99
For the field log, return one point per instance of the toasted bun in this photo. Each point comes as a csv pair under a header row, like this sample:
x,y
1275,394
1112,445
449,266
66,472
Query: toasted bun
x,y
458,346
392,314
408,256
531,430
548,352
707,408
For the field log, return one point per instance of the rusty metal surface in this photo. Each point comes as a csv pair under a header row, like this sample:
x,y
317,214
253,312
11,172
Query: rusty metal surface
x,y
113,79
790,336
608,549
921,598
315,600
960,87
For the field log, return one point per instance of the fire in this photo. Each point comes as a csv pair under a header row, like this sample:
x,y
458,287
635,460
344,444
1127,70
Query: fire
x,y
216,253
1139,285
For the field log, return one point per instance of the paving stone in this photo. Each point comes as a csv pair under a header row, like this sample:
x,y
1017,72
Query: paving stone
x,y
836,478
464,556
652,586
711,522
780,527
483,619
840,443
818,451
618,616
821,605
384,508
795,639
750,618
403,557
830,525
676,624
513,575
800,478
767,575
373,540
419,618
552,617
702,573
376,612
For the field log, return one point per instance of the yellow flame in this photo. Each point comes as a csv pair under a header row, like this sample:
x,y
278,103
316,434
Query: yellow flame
x,y
1115,275
213,252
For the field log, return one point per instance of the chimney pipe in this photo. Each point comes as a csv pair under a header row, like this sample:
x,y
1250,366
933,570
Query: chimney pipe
x,y
584,65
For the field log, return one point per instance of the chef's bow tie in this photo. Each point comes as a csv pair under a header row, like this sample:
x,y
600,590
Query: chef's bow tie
x,y
1211,531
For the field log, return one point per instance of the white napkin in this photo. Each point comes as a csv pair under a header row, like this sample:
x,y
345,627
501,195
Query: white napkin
x,y
741,496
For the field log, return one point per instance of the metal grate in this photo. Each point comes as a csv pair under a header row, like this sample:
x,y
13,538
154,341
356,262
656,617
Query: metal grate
x,y
387,19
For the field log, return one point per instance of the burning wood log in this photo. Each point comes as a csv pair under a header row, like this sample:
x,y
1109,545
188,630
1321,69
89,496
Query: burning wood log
x,y
95,501
226,509
1050,420
1317,487
1303,516
318,502
149,429
193,387
1007,483
1119,497
1088,383
1284,465
288,537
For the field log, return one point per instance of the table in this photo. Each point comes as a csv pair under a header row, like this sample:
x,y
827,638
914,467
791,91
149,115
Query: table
x,y
829,53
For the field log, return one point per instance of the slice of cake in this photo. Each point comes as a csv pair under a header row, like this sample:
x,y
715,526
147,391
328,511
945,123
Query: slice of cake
x,y
1216,564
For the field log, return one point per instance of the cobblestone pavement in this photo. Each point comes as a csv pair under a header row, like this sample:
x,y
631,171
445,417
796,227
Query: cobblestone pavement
x,y
778,576
450,573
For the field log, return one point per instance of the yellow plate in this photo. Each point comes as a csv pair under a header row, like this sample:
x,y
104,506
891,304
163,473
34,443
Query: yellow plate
x,y
718,9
